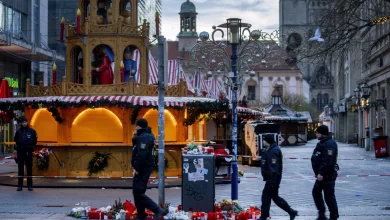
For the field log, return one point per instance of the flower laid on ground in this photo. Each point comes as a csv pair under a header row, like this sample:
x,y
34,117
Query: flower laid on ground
x,y
194,148
42,157
222,211
229,205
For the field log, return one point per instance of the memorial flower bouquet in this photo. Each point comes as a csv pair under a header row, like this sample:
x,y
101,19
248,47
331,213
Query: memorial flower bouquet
x,y
42,157
194,148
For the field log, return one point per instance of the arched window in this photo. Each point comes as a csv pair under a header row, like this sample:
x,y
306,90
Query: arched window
x,y
326,99
251,93
319,101
313,102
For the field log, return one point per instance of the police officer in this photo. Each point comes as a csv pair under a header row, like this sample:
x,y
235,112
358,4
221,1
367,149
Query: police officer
x,y
26,139
142,161
271,170
324,163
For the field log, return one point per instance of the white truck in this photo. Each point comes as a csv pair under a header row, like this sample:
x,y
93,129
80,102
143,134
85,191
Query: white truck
x,y
254,132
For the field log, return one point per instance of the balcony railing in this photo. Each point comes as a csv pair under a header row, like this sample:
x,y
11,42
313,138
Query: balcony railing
x,y
128,88
118,27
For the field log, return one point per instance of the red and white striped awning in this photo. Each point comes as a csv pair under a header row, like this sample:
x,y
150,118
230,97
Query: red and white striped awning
x,y
135,100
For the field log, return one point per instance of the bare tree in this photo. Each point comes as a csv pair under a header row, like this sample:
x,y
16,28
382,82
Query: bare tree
x,y
342,24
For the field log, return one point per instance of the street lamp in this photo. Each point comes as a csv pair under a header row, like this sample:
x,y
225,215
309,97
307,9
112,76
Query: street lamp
x,y
366,90
357,92
246,51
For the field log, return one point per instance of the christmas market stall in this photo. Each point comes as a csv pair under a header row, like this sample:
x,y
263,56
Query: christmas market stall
x,y
293,125
91,135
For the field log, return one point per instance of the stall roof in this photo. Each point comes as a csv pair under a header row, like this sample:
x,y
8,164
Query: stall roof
x,y
146,101
135,100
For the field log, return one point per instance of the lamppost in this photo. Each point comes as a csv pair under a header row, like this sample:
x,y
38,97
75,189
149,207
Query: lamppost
x,y
246,51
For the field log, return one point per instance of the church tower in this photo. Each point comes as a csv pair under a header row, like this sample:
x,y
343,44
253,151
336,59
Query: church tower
x,y
298,24
188,35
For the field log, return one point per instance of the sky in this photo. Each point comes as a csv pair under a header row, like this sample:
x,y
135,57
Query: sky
x,y
261,14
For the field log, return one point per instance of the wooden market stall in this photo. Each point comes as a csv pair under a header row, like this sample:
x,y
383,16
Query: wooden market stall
x,y
106,88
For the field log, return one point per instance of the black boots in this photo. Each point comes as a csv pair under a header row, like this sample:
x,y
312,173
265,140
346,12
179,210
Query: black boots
x,y
293,213
19,189
322,217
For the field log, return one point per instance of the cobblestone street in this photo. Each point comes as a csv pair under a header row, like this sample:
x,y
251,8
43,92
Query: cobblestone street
x,y
362,189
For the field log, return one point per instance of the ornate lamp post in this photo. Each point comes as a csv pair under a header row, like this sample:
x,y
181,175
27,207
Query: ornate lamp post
x,y
365,90
246,51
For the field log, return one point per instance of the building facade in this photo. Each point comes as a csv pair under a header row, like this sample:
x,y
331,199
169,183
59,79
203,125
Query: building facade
x,y
297,25
24,51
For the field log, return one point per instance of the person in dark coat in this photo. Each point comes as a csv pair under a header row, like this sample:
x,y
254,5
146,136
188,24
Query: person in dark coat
x,y
25,138
324,163
271,170
142,161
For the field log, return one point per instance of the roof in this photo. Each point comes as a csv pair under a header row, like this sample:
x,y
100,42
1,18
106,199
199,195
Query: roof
x,y
147,101
134,100
188,7
287,114
276,92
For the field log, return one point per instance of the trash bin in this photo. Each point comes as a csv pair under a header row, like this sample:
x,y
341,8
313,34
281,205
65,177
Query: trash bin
x,y
380,146
198,183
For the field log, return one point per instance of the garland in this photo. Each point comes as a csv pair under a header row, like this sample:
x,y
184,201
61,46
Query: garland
x,y
98,163
56,115
134,114
195,109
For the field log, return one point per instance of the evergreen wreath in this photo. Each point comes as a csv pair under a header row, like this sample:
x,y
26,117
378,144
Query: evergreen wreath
x,y
98,163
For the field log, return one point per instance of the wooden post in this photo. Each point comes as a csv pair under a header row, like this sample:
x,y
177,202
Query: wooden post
x,y
144,66
28,87
118,59
180,128
92,11
86,26
134,13
183,88
64,89
131,88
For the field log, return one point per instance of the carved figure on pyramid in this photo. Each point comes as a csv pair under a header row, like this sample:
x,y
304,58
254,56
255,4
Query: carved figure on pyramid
x,y
106,74
130,65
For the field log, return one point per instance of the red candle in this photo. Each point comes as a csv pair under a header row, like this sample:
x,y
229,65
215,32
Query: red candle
x,y
78,21
62,28
54,73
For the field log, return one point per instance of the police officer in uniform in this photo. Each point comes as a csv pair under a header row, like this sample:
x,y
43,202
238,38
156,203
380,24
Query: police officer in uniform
x,y
25,139
271,170
324,163
142,161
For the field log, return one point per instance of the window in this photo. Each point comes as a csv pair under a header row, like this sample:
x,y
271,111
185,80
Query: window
x,y
251,92
36,31
319,101
1,17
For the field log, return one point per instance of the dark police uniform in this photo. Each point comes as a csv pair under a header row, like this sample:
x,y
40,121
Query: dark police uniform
x,y
25,139
324,162
142,161
271,170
